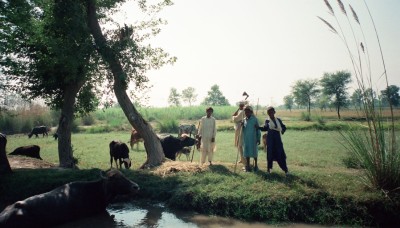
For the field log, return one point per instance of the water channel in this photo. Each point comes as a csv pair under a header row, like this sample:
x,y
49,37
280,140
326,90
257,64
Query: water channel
x,y
152,215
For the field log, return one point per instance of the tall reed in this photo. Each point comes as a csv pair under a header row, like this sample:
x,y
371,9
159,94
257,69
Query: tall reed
x,y
376,148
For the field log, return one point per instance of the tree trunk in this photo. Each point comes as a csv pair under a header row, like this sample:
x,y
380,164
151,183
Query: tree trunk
x,y
155,154
65,153
4,164
338,111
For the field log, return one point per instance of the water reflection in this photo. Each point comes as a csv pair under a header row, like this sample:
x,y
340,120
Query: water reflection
x,y
152,215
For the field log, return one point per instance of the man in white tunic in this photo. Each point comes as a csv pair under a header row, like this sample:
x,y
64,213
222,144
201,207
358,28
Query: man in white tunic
x,y
238,118
207,133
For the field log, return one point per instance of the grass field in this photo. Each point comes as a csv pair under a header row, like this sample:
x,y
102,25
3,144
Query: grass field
x,y
320,189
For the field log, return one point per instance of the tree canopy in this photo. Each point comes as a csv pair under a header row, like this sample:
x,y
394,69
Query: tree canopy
x,y
335,85
174,98
189,95
215,97
304,91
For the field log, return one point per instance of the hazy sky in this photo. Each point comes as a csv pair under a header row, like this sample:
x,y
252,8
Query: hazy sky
x,y
264,46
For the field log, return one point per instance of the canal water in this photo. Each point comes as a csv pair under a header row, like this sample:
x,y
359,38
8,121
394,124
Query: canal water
x,y
157,215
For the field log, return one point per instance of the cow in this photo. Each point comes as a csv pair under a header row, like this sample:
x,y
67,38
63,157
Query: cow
x,y
187,129
119,151
38,130
135,139
68,202
32,151
171,144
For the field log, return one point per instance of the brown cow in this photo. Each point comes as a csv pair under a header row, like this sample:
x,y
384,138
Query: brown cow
x,y
135,139
69,202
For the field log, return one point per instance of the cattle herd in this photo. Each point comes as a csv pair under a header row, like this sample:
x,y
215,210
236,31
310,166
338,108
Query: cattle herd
x,y
81,199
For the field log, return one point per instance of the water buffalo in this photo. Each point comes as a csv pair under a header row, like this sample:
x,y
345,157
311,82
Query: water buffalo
x,y
171,145
32,151
38,130
119,151
68,202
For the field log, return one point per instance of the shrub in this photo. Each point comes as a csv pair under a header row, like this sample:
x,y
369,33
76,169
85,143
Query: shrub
x,y
168,126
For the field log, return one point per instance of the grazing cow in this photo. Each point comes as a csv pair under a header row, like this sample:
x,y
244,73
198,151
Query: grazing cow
x,y
135,139
187,129
119,151
38,130
171,145
69,202
32,151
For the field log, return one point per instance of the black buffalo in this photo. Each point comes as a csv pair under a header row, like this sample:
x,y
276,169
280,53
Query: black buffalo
x,y
119,151
32,151
171,145
68,202
38,130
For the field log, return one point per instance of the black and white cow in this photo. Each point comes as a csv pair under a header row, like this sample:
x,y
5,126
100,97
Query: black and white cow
x,y
171,145
68,202
32,151
119,151
38,130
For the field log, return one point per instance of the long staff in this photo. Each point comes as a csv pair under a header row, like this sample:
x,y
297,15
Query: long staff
x,y
195,145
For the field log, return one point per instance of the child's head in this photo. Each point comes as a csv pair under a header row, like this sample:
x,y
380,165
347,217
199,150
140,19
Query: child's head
x,y
271,111
209,111
248,110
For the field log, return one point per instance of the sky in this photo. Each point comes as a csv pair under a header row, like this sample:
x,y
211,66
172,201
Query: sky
x,y
264,46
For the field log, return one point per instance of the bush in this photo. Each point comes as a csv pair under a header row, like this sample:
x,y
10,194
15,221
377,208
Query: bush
x,y
305,116
168,126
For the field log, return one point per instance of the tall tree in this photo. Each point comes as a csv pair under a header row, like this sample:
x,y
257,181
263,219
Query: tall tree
x,y
48,47
304,91
357,98
174,98
215,97
335,85
112,57
288,101
189,95
391,94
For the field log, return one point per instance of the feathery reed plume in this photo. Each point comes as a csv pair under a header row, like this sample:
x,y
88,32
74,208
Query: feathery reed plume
x,y
329,7
329,25
342,7
354,14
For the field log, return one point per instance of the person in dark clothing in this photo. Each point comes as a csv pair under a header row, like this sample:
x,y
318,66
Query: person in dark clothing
x,y
275,151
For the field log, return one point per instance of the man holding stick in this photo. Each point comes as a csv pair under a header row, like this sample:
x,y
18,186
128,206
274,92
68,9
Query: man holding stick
x,y
238,118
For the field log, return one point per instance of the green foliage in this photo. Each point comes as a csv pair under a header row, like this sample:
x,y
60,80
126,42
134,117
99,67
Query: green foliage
x,y
321,189
376,148
215,97
189,95
306,116
391,94
304,91
174,98
335,85
168,126
288,101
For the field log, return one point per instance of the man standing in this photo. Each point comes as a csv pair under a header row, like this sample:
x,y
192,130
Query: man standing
x,y
238,118
251,138
207,133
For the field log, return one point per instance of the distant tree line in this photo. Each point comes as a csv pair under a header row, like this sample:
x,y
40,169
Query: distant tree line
x,y
331,91
214,97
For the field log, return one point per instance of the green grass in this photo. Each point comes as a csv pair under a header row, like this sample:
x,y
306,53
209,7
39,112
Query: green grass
x,y
321,189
